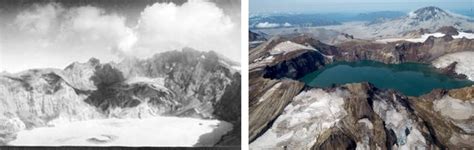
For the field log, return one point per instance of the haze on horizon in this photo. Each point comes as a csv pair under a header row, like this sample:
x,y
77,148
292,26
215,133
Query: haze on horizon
x,y
464,7
54,34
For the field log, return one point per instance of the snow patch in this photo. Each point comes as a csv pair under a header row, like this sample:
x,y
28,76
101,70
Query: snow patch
x,y
464,66
236,68
267,25
367,123
289,46
415,40
415,140
426,36
156,131
412,14
464,35
303,120
133,80
396,119
454,108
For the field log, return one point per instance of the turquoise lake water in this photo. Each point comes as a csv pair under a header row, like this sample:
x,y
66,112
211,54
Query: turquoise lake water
x,y
412,79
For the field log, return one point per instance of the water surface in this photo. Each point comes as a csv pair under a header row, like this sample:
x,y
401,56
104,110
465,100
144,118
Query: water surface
x,y
412,79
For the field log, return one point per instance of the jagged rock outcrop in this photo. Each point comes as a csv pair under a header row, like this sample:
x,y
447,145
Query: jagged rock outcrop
x,y
35,98
449,116
305,62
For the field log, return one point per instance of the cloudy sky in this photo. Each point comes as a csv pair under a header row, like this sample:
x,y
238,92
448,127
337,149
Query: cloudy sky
x,y
53,34
357,6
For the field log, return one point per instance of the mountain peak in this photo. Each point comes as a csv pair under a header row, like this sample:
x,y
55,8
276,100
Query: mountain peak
x,y
428,13
94,61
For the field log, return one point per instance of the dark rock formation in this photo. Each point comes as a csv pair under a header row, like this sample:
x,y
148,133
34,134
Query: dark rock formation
x,y
301,64
253,36
448,30
229,109
450,71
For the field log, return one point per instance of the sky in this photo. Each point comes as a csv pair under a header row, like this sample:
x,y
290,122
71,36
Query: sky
x,y
356,6
54,34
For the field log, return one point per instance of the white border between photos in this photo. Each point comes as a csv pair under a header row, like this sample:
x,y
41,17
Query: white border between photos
x,y
244,69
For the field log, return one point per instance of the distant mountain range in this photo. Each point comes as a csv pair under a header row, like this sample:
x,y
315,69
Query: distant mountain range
x,y
308,20
429,19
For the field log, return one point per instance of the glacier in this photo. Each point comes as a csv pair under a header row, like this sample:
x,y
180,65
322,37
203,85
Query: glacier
x,y
153,131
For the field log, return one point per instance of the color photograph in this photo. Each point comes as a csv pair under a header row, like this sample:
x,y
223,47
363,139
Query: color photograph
x,y
361,74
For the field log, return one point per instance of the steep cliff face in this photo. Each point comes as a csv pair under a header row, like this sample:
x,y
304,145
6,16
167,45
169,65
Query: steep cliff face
x,y
229,109
37,97
184,83
198,79
403,51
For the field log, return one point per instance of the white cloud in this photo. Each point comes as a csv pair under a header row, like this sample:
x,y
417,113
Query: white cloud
x,y
54,36
86,24
197,24
267,25
286,24
39,18
91,24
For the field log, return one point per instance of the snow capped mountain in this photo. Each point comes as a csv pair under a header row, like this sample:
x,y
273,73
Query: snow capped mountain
x,y
428,13
427,18
431,18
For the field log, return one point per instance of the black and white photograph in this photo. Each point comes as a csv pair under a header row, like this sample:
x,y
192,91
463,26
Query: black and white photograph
x,y
127,73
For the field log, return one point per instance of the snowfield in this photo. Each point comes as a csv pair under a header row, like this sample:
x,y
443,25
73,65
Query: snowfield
x,y
465,63
156,131
309,114
426,36
288,46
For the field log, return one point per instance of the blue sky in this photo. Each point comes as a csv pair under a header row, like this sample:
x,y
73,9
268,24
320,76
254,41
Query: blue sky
x,y
356,6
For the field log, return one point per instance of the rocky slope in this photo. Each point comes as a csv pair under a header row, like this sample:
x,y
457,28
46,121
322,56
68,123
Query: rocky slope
x,y
361,116
286,114
184,83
